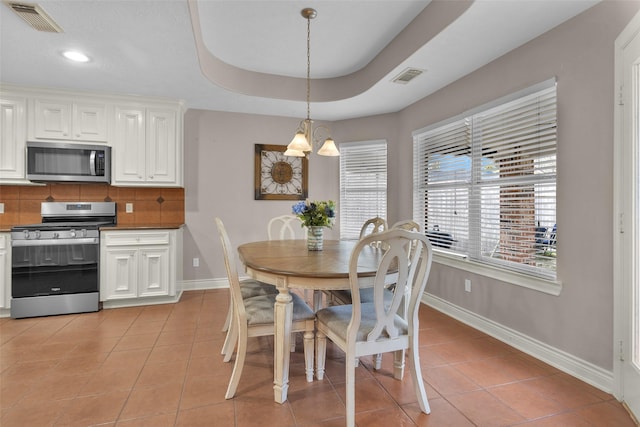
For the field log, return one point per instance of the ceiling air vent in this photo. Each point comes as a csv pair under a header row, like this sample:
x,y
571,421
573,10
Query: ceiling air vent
x,y
34,16
407,75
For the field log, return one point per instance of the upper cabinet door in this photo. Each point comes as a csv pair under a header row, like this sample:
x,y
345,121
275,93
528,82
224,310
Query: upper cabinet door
x,y
129,147
90,122
52,119
69,121
13,128
161,145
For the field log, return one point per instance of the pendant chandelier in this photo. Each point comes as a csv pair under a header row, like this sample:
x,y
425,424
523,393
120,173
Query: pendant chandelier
x,y
306,136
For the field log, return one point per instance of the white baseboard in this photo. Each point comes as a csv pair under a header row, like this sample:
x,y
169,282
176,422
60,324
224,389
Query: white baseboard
x,y
572,365
197,285
136,302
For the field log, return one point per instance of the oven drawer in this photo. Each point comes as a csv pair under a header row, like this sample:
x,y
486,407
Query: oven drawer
x,y
136,238
54,280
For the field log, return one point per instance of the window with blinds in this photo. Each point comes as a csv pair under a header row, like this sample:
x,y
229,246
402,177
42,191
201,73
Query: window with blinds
x,y
363,185
485,183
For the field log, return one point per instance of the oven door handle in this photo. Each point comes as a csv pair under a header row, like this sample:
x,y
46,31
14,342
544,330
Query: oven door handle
x,y
57,242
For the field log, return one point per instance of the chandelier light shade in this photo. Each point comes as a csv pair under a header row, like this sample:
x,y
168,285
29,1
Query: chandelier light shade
x,y
306,136
329,148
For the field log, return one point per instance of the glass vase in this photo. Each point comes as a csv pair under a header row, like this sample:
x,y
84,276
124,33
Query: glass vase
x,y
314,238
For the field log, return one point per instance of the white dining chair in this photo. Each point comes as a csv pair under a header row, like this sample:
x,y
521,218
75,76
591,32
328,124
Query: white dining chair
x,y
362,329
254,317
343,296
379,225
248,288
407,224
373,225
285,227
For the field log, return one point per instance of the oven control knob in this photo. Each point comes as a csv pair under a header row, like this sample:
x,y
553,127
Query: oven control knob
x,y
72,233
37,234
56,234
26,234
83,232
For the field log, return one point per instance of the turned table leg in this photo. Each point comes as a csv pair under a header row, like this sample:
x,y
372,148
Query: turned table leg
x,y
283,312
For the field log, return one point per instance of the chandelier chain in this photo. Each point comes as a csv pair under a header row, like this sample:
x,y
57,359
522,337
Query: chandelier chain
x,y
308,68
302,143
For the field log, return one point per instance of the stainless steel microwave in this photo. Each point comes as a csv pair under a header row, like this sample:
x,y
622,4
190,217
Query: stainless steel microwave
x,y
67,162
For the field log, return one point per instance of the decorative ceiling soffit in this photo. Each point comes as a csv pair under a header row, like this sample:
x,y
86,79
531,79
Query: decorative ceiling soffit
x,y
428,24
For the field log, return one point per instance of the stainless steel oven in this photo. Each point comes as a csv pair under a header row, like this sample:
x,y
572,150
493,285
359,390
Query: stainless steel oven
x,y
55,265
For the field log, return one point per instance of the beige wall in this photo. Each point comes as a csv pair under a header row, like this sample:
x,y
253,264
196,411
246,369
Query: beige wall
x,y
219,180
581,55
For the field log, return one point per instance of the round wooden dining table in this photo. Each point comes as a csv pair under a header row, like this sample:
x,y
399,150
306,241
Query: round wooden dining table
x,y
288,264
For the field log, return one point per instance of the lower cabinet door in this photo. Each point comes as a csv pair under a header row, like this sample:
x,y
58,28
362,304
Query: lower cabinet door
x,y
154,278
121,274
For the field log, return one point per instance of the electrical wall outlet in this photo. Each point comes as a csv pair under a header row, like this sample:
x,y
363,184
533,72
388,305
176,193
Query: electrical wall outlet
x,y
196,262
129,207
467,285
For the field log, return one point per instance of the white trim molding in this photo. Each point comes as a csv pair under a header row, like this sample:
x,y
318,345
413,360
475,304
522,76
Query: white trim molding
x,y
141,301
572,365
197,285
626,158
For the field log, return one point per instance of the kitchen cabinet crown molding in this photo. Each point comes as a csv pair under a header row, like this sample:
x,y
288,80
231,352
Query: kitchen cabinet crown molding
x,y
30,91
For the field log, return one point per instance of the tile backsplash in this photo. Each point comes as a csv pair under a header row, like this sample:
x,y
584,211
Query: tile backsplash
x,y
151,206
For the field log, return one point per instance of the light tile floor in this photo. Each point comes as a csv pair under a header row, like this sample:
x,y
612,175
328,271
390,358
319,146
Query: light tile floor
x,y
161,366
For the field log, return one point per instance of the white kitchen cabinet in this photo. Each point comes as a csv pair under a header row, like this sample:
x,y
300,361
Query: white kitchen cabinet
x,y
148,147
129,148
139,265
13,132
5,270
69,121
145,133
162,146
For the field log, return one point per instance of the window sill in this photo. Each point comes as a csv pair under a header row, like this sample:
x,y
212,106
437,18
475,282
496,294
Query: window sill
x,y
550,287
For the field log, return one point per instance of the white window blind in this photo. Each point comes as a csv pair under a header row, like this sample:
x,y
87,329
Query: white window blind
x,y
363,185
485,184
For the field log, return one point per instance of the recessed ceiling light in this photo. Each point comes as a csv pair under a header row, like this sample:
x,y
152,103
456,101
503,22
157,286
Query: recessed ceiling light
x,y
75,56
